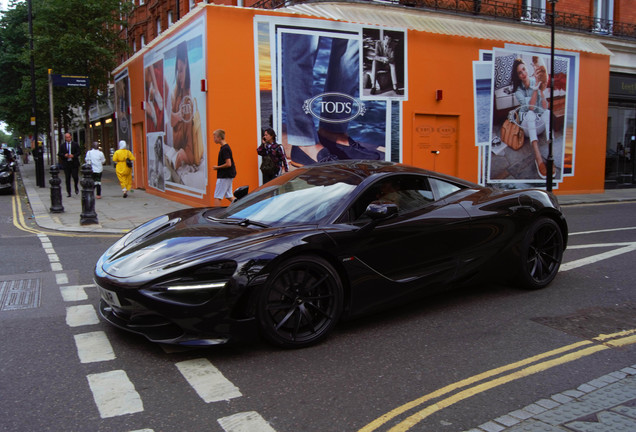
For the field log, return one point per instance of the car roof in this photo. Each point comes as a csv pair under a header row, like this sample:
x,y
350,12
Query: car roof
x,y
368,168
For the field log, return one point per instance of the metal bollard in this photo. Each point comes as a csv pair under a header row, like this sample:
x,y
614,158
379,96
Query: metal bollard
x,y
88,215
56,190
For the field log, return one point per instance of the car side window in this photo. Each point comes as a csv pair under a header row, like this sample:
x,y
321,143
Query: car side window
x,y
443,188
409,193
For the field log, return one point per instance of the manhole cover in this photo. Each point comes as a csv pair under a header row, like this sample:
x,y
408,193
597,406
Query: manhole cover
x,y
19,294
589,323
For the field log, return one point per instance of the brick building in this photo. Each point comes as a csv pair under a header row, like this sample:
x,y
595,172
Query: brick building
x,y
601,28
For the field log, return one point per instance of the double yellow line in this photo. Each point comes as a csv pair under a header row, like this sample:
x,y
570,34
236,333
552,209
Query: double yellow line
x,y
20,223
496,377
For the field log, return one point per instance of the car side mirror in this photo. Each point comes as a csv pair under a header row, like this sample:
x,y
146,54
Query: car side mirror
x,y
381,210
240,192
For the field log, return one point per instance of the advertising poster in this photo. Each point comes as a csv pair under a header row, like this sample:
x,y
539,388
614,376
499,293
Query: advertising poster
x,y
122,101
519,143
175,110
316,90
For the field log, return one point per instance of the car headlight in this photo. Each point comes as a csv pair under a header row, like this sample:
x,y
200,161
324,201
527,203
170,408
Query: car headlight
x,y
197,287
209,286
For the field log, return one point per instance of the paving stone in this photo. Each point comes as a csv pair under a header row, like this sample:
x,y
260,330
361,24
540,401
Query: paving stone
x,y
574,393
547,403
535,409
492,427
507,420
618,375
607,422
535,426
561,398
521,414
586,388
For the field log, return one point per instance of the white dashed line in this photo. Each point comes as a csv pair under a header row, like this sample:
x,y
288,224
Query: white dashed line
x,y
81,315
94,347
114,394
245,422
61,278
207,381
73,293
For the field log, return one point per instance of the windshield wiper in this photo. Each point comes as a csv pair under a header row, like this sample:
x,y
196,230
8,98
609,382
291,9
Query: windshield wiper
x,y
243,222
246,222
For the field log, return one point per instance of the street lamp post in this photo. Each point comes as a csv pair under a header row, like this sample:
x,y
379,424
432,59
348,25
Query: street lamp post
x,y
550,161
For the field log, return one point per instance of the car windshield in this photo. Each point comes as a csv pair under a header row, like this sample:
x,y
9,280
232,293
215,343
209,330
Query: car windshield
x,y
295,198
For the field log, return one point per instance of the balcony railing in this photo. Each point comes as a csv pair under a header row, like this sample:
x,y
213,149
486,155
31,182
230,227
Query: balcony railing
x,y
498,10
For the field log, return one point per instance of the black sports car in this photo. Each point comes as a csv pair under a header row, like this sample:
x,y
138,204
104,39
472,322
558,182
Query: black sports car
x,y
319,244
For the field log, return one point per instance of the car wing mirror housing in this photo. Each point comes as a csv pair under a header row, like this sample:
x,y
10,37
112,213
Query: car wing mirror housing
x,y
381,210
240,192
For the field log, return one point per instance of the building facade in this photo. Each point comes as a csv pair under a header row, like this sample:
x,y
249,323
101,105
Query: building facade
x,y
441,103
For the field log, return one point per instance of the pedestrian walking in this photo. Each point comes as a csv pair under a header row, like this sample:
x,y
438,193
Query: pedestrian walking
x,y
226,169
123,158
69,155
95,157
272,155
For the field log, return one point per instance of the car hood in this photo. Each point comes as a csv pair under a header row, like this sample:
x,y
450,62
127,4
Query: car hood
x,y
177,240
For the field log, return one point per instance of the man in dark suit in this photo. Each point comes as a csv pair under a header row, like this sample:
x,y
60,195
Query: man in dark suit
x,y
69,154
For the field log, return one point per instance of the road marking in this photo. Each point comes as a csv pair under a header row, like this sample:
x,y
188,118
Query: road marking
x,y
114,394
245,422
94,347
207,380
602,231
19,223
81,315
623,249
72,293
514,372
61,278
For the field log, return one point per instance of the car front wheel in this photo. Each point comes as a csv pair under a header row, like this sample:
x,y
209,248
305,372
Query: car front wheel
x,y
300,303
541,254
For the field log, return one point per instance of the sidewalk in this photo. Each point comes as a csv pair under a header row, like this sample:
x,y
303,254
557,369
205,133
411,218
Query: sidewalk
x,y
115,214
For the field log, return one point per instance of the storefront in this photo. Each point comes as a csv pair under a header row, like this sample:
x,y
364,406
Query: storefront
x,y
620,162
427,90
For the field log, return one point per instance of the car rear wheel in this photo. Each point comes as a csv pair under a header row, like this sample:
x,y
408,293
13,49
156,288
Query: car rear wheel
x,y
541,254
300,303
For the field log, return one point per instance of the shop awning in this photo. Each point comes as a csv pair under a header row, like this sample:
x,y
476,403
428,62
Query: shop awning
x,y
452,25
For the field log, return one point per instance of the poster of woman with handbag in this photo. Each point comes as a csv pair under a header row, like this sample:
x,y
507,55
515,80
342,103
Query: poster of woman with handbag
x,y
534,113
522,123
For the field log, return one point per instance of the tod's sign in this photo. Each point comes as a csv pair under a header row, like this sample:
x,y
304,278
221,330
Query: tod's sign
x,y
334,107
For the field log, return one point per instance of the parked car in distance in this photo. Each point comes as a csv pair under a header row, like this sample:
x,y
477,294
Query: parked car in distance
x,y
6,175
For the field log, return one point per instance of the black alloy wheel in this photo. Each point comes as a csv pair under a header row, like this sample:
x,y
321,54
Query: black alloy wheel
x,y
300,303
541,254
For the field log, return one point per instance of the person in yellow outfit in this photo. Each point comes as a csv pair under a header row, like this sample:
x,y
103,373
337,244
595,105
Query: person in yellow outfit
x,y
124,172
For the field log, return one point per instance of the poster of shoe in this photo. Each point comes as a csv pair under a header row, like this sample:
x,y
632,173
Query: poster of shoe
x,y
310,77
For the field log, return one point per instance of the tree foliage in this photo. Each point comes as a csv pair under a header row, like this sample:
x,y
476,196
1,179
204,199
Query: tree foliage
x,y
70,37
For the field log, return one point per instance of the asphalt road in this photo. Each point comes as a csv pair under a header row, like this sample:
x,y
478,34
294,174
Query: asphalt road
x,y
61,366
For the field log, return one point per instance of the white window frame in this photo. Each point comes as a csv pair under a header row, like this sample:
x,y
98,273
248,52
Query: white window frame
x,y
158,26
527,13
170,22
192,4
604,14
143,41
